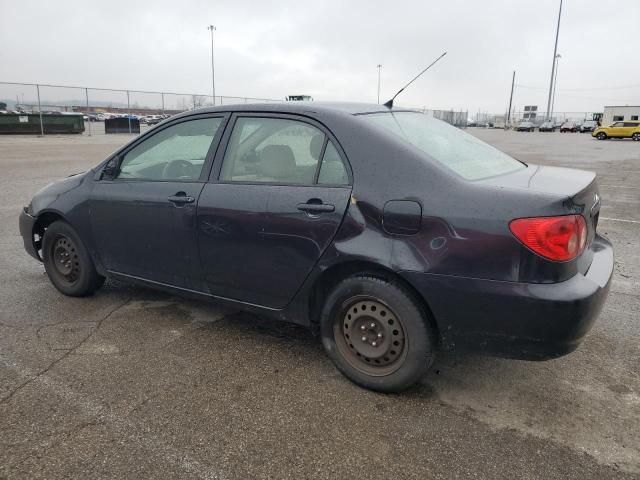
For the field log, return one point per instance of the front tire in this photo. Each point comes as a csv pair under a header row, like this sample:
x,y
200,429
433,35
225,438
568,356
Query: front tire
x,y
377,334
67,261
601,136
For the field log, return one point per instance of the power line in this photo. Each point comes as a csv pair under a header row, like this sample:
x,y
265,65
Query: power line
x,y
620,87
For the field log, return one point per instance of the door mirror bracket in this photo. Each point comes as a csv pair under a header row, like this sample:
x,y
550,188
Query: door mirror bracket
x,y
110,170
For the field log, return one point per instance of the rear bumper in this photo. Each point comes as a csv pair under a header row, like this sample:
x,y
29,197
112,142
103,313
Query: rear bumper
x,y
518,320
26,223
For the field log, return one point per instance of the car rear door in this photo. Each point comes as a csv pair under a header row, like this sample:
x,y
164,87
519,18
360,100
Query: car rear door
x,y
143,214
629,128
276,199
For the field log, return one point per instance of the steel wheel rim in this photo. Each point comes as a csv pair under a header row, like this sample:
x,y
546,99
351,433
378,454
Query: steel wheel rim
x,y
65,259
370,336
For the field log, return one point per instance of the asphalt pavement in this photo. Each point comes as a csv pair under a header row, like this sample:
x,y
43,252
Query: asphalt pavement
x,y
134,383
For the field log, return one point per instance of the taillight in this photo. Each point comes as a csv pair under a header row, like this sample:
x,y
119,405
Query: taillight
x,y
556,238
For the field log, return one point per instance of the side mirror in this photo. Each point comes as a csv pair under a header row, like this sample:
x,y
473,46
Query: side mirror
x,y
110,170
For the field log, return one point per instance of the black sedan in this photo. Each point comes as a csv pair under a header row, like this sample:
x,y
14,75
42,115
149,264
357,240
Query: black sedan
x,y
388,232
525,127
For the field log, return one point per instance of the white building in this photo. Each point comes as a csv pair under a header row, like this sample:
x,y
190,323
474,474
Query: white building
x,y
614,113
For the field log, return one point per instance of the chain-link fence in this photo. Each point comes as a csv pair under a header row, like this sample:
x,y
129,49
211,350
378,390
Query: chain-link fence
x,y
483,119
99,104
458,118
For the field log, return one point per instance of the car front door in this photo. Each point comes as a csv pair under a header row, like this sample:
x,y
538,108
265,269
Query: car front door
x,y
617,130
275,202
143,208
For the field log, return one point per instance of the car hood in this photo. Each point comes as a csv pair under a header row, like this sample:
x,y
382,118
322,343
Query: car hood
x,y
550,180
47,195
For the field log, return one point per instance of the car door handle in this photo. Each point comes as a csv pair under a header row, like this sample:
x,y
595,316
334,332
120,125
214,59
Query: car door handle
x,y
180,198
316,207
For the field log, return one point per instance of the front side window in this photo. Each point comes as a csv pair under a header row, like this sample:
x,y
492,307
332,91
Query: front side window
x,y
462,153
176,153
618,125
272,150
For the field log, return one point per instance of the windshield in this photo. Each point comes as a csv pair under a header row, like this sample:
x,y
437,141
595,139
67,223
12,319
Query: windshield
x,y
462,153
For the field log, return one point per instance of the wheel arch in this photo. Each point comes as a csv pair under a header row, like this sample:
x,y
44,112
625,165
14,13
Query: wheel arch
x,y
334,274
46,218
43,220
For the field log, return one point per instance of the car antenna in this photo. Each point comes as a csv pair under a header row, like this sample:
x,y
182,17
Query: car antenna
x,y
389,104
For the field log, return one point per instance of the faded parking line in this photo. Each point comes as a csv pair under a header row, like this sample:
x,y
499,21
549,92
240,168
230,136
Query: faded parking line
x,y
619,220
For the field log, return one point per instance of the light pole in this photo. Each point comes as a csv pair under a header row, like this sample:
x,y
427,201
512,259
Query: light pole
x,y
379,68
513,83
555,81
213,71
553,65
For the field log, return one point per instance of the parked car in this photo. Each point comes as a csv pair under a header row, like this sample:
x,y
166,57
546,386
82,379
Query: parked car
x,y
588,126
153,119
525,127
547,127
568,127
627,129
291,212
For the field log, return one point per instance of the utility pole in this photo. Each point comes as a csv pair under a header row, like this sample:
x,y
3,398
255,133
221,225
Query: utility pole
x,y
39,111
213,71
379,68
129,110
86,93
513,82
555,84
553,64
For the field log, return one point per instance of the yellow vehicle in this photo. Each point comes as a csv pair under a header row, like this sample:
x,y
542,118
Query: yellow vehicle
x,y
628,129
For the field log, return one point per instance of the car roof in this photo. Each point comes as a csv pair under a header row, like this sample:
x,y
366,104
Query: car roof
x,y
351,108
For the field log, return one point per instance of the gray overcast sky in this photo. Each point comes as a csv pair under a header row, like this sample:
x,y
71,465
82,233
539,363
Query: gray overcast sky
x,y
330,49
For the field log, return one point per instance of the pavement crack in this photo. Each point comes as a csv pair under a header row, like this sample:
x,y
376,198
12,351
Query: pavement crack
x,y
44,371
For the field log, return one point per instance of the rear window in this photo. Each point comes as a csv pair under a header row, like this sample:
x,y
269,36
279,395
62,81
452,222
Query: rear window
x,y
462,153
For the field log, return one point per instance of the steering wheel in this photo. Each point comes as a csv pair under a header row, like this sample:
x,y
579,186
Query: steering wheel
x,y
177,169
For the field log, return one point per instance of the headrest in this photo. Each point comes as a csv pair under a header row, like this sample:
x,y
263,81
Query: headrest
x,y
277,161
315,147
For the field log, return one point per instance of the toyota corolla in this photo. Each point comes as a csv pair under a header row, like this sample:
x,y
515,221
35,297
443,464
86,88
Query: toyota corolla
x,y
389,233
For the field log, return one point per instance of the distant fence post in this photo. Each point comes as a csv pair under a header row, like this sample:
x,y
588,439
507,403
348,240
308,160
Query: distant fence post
x,y
86,95
162,93
40,112
129,111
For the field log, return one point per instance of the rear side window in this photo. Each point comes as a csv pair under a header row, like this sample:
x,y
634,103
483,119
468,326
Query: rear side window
x,y
283,151
332,170
630,124
462,153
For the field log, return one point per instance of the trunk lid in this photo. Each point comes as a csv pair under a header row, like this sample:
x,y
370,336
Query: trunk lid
x,y
578,189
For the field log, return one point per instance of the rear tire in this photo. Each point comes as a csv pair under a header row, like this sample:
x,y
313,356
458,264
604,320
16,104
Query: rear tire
x,y
67,261
601,136
377,334
636,136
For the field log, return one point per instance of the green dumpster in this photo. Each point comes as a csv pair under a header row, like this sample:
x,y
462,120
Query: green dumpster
x,y
29,123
